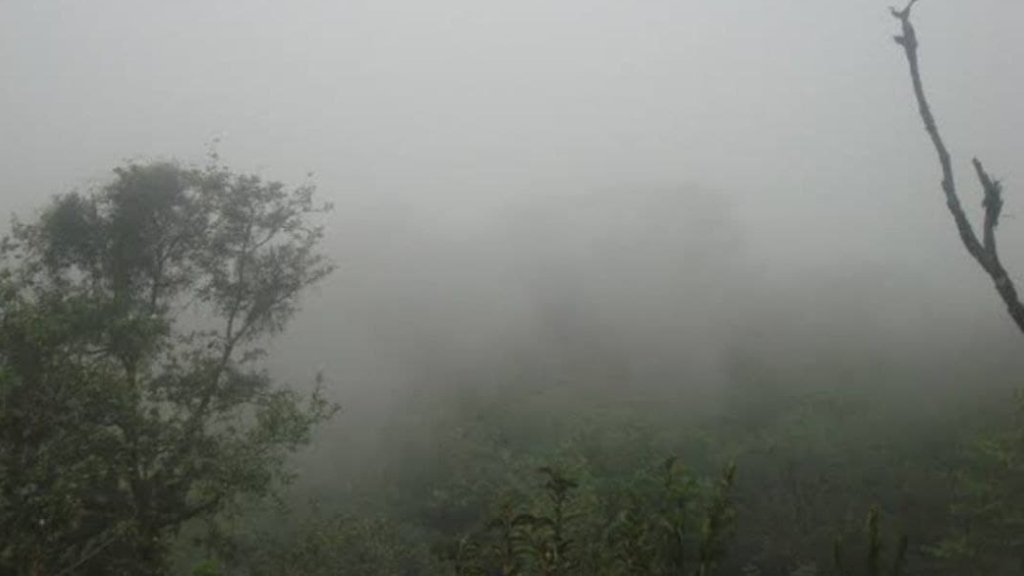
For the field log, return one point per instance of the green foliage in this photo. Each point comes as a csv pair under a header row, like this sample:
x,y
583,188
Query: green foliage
x,y
552,543
682,527
873,562
473,494
208,568
509,542
987,508
131,399
336,545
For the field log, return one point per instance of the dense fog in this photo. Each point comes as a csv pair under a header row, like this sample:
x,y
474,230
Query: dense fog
x,y
628,199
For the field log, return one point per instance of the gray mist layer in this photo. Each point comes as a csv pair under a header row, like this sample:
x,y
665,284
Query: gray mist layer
x,y
646,182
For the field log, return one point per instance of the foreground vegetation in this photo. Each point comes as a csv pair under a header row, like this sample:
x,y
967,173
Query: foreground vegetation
x,y
859,475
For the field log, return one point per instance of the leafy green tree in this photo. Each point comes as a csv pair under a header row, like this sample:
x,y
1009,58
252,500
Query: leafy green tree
x,y
131,395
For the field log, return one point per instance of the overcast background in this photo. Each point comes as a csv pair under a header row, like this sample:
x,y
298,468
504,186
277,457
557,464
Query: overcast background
x,y
445,130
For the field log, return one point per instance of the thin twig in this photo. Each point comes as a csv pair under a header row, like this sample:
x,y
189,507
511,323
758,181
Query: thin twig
x,y
90,554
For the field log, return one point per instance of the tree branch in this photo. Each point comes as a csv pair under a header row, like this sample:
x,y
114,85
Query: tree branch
x,y
90,552
984,251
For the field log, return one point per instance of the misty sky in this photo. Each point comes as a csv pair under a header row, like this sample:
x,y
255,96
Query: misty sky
x,y
448,113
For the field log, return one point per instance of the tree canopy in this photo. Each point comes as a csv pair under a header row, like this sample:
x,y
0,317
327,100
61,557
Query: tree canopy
x,y
132,399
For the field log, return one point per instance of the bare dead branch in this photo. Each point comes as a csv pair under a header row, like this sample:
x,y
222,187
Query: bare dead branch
x,y
984,251
993,204
905,13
